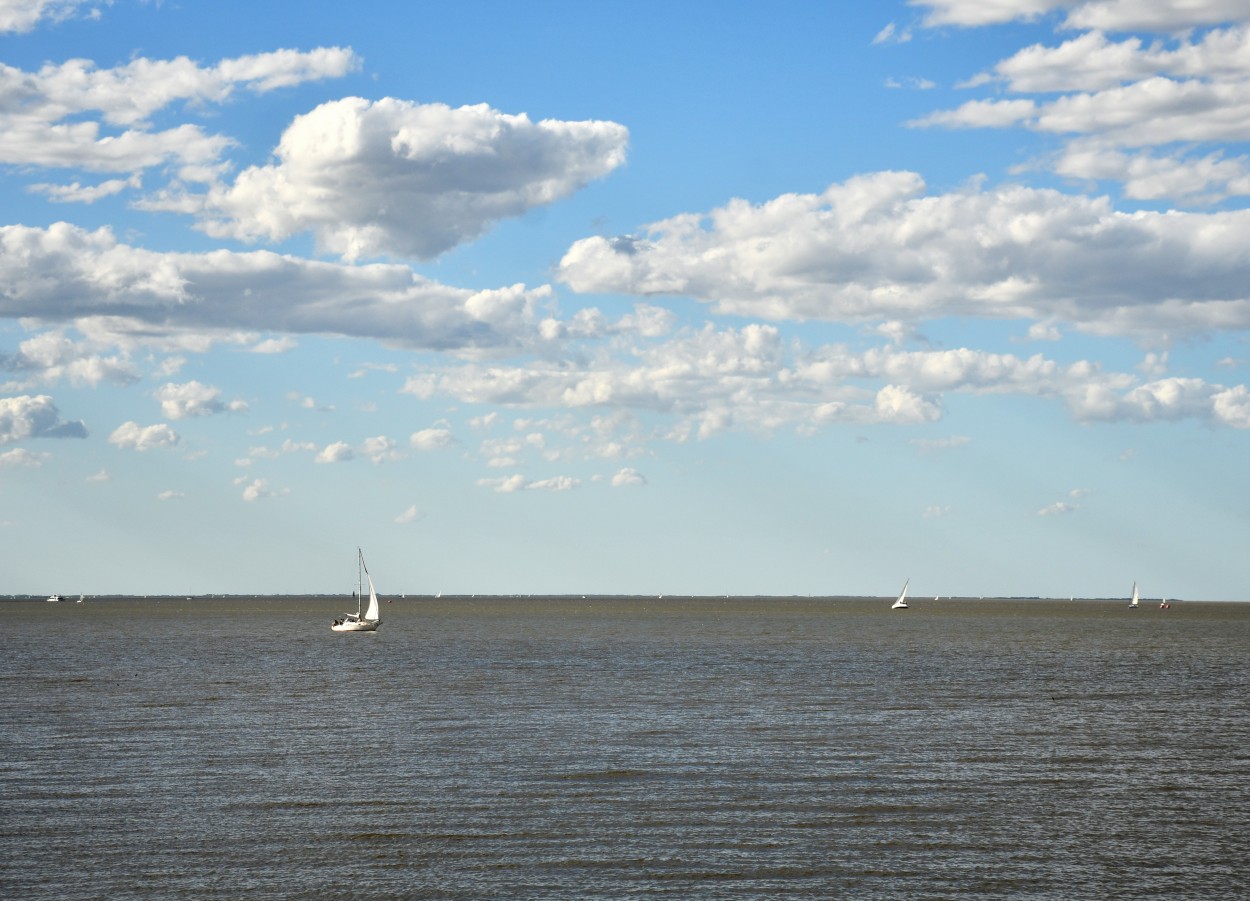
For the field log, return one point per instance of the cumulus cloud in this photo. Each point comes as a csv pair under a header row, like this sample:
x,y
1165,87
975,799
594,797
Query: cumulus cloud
x,y
132,436
1058,508
65,273
20,457
23,15
381,449
628,477
258,489
26,417
519,482
338,452
431,439
1149,114
50,356
879,247
409,179
192,399
73,114
1110,15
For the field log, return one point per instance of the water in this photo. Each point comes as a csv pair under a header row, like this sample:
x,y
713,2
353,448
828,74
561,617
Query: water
x,y
624,748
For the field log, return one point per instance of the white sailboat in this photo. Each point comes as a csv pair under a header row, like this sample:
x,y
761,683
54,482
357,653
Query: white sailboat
x,y
1132,605
370,620
901,603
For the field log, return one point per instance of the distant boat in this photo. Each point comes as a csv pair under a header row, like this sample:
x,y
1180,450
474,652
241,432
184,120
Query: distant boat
x,y
80,599
54,599
1132,605
901,603
355,622
1164,605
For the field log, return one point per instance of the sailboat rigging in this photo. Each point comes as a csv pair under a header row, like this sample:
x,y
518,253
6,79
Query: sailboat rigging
x,y
901,603
370,620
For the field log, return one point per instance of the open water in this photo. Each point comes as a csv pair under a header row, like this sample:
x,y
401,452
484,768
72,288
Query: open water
x,y
624,748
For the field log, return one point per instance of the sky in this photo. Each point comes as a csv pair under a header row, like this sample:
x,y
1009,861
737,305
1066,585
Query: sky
x,y
684,298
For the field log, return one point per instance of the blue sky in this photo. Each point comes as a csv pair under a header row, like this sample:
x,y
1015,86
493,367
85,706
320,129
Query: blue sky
x,y
801,298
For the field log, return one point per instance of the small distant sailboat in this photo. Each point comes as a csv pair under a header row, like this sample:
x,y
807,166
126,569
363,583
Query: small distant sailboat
x,y
1164,605
370,620
901,603
80,599
1132,605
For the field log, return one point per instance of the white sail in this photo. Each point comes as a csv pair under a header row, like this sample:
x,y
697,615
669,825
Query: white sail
x,y
1133,602
901,603
372,611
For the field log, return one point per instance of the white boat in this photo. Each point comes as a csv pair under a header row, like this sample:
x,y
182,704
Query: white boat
x,y
1164,605
80,599
1132,605
54,599
356,622
901,603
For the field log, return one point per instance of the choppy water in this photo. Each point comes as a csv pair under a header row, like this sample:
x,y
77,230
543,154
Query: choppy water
x,y
559,748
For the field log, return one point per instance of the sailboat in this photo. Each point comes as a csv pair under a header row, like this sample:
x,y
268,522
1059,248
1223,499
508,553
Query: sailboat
x,y
1164,605
355,622
901,603
1132,605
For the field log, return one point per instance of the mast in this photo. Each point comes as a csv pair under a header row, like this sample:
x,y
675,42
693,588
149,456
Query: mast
x,y
360,565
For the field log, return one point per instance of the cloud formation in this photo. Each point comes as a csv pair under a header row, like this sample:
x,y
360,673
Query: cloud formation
x,y
74,115
67,274
880,247
26,417
406,179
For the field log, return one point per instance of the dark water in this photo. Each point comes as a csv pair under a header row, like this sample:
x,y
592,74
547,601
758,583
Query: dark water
x,y
625,748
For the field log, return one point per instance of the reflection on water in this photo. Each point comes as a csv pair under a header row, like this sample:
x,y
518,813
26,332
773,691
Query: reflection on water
x,y
566,748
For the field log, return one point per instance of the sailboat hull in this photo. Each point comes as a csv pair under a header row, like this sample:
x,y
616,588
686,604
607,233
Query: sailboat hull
x,y
362,625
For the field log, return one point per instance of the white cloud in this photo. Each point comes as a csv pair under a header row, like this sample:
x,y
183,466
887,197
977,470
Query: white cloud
x,y
75,115
892,34
1110,15
985,12
133,436
518,482
192,399
26,417
170,495
395,177
936,512
274,345
20,457
412,514
51,356
79,193
431,439
877,247
1143,114
65,273
1058,508
381,449
1151,15
628,477
338,452
23,15
100,477
258,489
